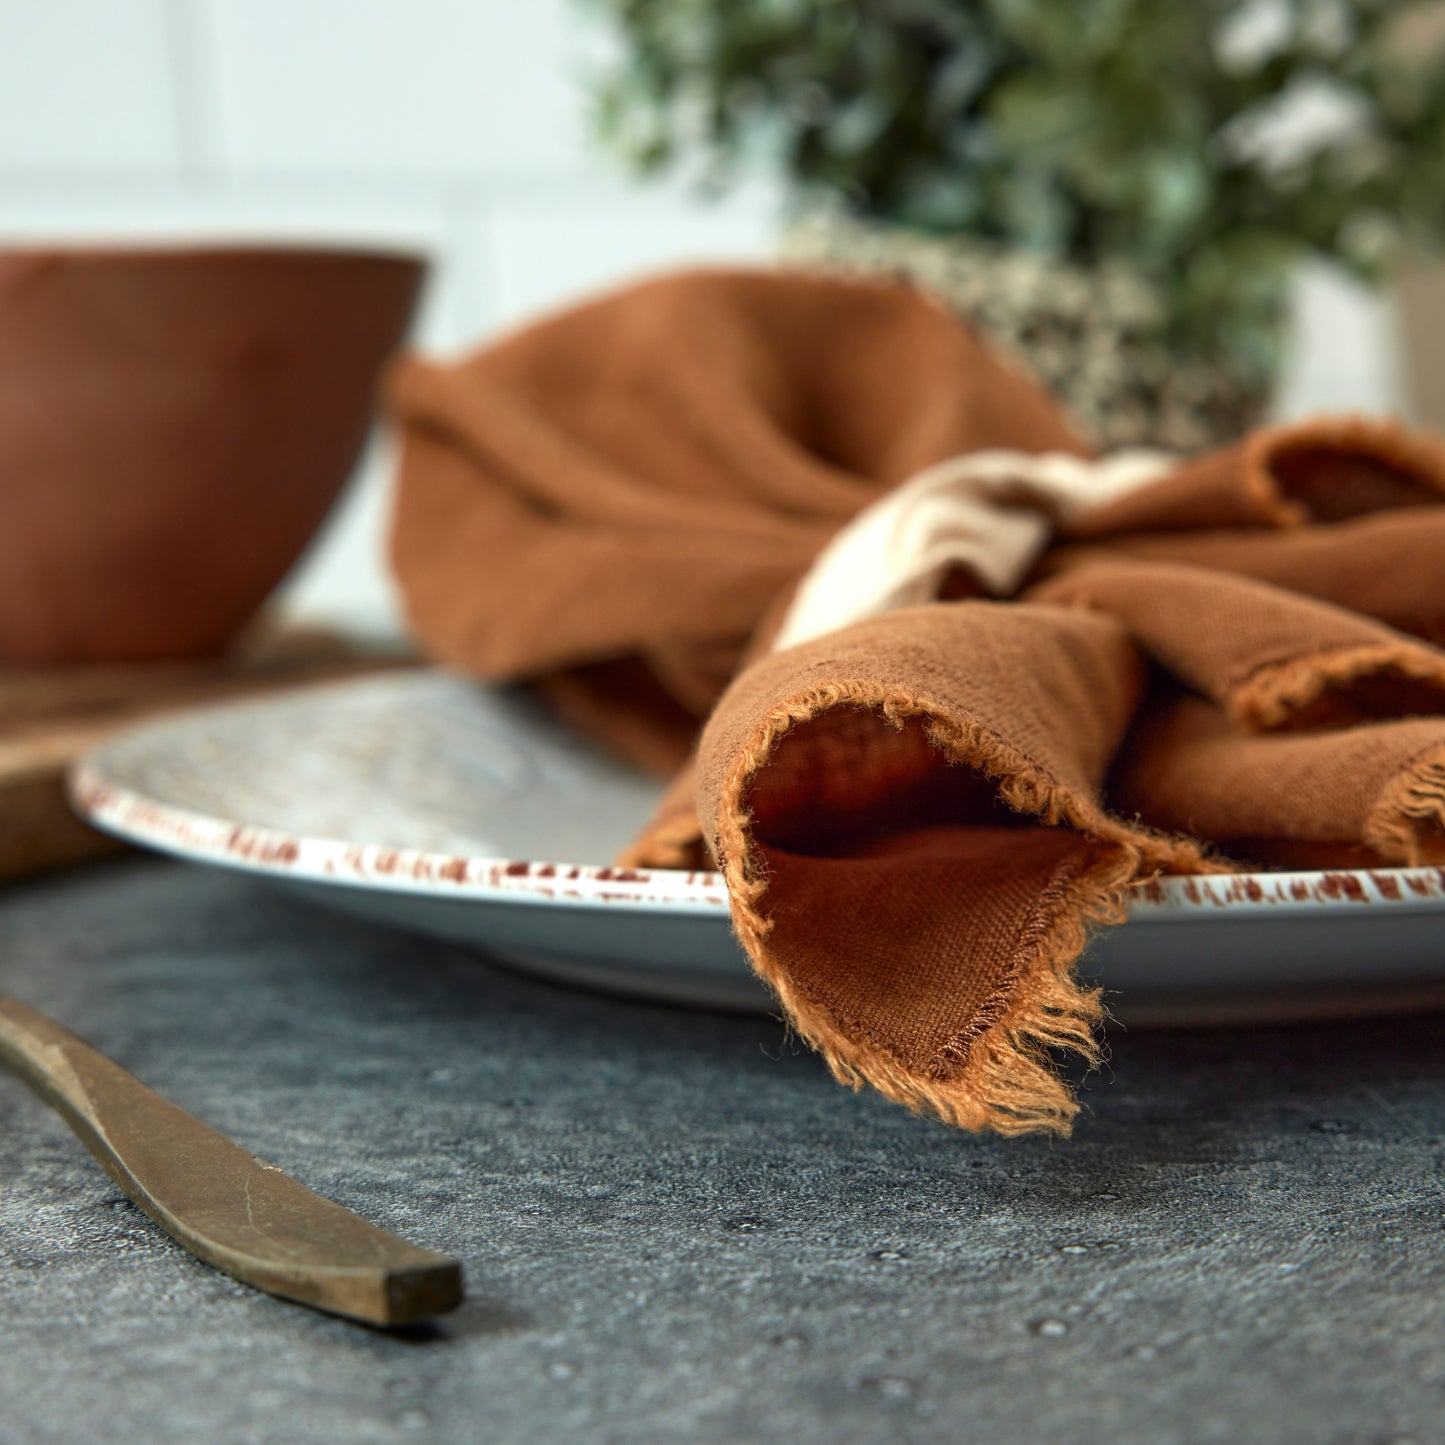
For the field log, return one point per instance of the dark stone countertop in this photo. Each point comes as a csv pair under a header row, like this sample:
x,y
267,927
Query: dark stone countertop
x,y
676,1227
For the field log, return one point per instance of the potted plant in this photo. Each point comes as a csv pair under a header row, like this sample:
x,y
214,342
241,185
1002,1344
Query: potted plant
x,y
1118,191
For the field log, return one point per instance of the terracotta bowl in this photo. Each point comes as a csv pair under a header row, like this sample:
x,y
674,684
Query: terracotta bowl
x,y
174,426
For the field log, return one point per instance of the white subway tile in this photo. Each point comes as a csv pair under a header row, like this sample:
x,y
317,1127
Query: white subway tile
x,y
86,85
548,255
420,86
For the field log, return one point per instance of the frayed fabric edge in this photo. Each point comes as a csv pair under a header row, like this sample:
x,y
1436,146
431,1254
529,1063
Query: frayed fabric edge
x,y
1415,452
1410,809
1006,1079
1274,694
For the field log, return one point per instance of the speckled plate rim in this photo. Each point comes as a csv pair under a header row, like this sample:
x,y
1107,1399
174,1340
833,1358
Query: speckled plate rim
x,y
117,809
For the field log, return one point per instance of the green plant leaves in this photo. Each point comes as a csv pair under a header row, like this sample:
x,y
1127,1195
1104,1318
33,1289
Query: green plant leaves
x,y
1113,131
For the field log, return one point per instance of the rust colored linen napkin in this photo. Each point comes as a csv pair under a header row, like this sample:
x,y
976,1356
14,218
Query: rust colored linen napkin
x,y
1014,681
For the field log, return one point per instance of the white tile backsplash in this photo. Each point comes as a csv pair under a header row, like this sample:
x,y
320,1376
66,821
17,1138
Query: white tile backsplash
x,y
544,256
462,87
87,86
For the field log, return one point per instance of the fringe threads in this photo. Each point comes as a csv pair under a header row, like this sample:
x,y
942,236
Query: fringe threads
x,y
1408,821
999,1074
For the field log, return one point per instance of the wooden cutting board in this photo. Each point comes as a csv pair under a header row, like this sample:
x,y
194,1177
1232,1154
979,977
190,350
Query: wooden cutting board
x,y
51,716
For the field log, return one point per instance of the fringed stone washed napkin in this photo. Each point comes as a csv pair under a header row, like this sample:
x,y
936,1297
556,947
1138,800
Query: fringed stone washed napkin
x,y
960,685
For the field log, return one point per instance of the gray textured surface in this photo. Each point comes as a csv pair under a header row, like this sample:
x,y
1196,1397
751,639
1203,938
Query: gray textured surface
x,y
677,1228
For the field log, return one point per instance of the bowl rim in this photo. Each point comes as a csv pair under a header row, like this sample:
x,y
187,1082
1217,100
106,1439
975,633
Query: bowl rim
x,y
241,249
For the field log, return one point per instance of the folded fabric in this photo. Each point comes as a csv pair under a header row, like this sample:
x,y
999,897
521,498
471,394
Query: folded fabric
x,y
608,502
961,686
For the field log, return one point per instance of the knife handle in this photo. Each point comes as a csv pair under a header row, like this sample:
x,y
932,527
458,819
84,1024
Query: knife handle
x,y
227,1207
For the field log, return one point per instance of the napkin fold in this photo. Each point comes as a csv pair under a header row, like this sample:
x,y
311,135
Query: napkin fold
x,y
938,688
608,502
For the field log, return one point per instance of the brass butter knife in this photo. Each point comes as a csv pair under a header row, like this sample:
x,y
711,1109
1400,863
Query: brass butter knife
x,y
227,1207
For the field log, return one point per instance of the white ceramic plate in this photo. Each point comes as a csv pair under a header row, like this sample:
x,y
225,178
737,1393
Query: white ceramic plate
x,y
422,801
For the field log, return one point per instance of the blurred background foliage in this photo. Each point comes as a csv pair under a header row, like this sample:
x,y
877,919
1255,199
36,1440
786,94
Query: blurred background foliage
x,y
1207,144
